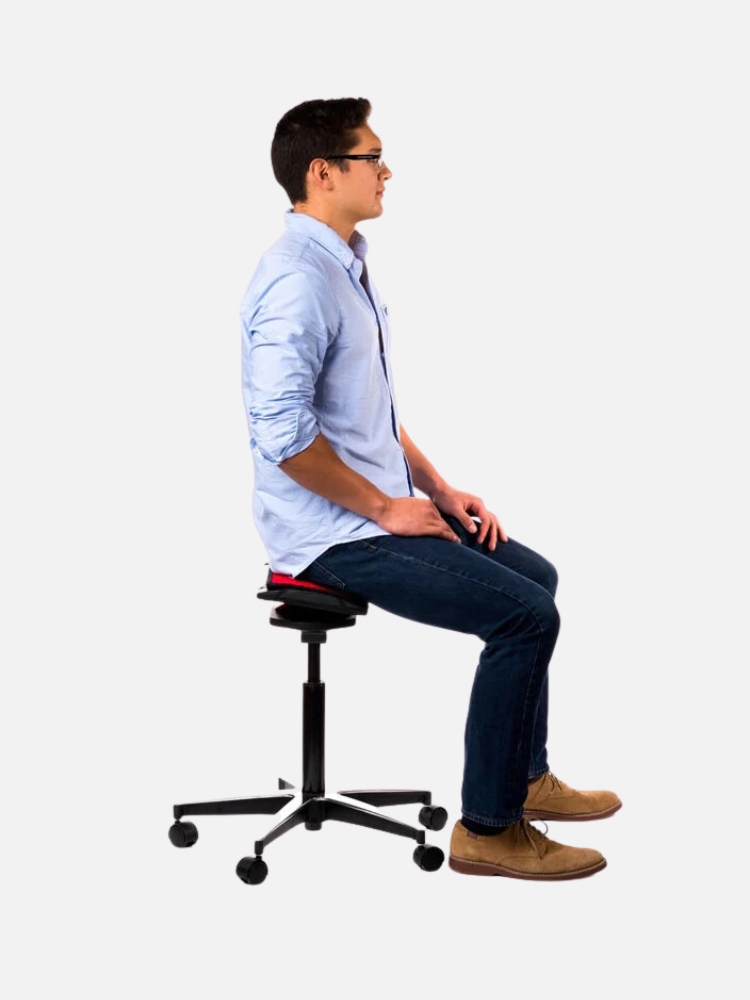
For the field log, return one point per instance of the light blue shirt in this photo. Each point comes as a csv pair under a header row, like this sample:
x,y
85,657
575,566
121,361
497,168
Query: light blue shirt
x,y
313,363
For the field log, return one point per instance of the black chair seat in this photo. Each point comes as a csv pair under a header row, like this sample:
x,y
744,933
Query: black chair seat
x,y
294,593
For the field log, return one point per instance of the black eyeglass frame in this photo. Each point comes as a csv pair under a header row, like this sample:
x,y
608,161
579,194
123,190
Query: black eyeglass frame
x,y
376,158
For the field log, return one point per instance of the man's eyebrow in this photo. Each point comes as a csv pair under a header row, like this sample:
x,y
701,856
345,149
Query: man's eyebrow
x,y
375,149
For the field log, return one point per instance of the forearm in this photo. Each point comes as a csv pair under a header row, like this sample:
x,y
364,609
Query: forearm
x,y
424,475
319,469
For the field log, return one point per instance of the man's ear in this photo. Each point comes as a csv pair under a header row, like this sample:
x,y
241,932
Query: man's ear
x,y
319,176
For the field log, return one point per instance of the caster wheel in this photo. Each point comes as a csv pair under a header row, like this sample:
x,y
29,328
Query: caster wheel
x,y
433,817
252,871
428,858
183,834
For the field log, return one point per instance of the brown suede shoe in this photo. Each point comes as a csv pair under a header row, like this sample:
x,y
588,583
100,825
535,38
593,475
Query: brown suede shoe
x,y
550,798
520,851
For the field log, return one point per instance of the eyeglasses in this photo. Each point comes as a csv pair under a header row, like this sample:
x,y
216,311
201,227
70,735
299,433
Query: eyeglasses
x,y
375,158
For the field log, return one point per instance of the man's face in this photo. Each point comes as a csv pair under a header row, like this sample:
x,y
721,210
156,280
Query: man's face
x,y
360,188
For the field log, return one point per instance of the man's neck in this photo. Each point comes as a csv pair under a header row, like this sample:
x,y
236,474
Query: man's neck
x,y
343,227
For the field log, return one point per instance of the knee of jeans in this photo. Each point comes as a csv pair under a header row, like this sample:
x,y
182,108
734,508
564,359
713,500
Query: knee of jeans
x,y
550,581
541,618
552,618
546,616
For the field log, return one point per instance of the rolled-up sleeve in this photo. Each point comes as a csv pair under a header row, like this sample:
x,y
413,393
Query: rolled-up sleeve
x,y
286,332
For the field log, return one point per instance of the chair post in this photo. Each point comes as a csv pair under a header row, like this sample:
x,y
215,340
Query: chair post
x,y
313,720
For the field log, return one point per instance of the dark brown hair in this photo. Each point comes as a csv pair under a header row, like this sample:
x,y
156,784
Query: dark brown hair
x,y
311,130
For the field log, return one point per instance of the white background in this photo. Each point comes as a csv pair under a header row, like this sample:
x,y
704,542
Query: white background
x,y
564,252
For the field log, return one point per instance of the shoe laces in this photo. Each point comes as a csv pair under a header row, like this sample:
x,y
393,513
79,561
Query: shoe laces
x,y
556,783
536,838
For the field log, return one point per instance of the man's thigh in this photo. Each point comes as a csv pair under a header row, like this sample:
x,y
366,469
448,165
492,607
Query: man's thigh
x,y
511,554
434,581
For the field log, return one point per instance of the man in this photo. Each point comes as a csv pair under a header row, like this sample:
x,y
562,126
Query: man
x,y
334,500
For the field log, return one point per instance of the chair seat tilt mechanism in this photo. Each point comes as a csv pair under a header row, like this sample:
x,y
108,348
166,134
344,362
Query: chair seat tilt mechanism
x,y
314,610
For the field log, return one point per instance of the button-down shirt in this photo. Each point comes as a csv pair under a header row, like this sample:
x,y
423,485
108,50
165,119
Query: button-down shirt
x,y
315,360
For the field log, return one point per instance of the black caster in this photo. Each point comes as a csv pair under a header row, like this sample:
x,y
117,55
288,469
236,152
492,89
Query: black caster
x,y
252,871
183,834
433,817
428,858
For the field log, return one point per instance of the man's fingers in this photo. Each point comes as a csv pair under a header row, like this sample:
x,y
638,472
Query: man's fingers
x,y
492,531
493,534
487,531
448,532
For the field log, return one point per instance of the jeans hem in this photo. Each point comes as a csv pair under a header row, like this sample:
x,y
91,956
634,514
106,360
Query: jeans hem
x,y
490,821
538,774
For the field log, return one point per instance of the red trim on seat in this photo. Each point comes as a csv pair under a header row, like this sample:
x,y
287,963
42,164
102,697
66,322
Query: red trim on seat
x,y
281,580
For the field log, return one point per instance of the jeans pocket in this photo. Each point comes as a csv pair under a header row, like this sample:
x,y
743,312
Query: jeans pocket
x,y
324,576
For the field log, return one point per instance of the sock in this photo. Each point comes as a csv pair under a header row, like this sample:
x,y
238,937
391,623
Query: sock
x,y
481,829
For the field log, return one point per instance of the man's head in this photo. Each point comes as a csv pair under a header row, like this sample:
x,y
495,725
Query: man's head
x,y
311,157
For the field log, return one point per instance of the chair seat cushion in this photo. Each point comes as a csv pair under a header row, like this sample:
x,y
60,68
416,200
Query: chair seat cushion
x,y
304,594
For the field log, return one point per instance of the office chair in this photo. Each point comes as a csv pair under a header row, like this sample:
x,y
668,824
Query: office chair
x,y
314,610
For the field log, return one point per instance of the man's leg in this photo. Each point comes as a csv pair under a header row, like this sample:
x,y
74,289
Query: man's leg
x,y
536,568
440,583
451,586
548,798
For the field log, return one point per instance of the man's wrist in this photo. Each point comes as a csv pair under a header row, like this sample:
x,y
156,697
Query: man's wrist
x,y
380,508
436,490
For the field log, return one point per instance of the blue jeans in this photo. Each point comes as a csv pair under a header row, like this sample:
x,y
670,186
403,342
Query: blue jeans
x,y
505,597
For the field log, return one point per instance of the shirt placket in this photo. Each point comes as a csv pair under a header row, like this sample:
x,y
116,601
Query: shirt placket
x,y
363,285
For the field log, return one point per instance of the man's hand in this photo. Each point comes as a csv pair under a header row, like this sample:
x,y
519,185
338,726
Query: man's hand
x,y
412,516
462,505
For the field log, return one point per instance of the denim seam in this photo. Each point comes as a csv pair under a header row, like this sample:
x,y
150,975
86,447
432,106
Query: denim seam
x,y
532,776
339,583
461,576
485,821
524,713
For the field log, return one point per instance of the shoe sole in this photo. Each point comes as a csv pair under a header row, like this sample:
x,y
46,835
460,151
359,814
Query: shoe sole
x,y
480,868
570,817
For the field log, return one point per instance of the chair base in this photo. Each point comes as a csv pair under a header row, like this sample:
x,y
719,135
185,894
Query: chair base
x,y
313,809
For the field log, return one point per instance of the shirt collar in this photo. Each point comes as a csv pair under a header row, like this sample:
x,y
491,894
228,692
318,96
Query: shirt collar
x,y
328,238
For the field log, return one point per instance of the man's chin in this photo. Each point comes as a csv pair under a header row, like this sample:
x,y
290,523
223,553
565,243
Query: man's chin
x,y
374,213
